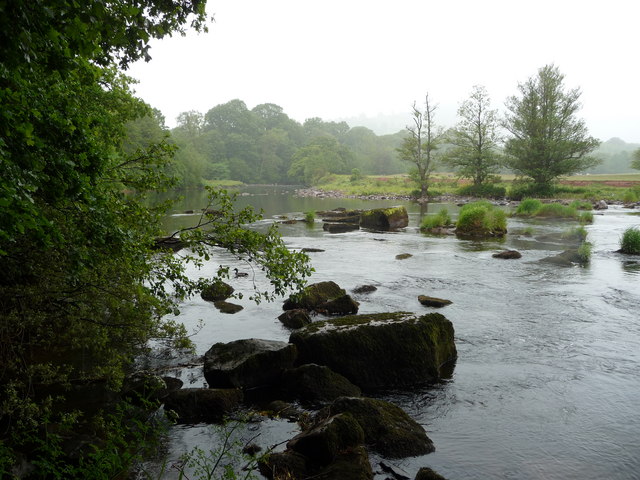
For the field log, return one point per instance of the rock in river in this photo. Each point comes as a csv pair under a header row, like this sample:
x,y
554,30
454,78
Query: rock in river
x,y
326,297
433,301
379,350
385,218
247,363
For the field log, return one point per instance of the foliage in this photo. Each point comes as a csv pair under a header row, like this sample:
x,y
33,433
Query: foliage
x,y
310,217
481,219
321,157
420,146
356,175
440,219
577,234
547,140
475,139
581,205
584,252
555,210
630,196
635,162
520,190
630,241
585,217
83,290
528,207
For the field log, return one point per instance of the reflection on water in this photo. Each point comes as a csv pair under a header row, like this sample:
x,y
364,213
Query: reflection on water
x,y
546,382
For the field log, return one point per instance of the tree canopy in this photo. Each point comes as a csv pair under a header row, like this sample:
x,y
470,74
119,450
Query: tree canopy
x,y
547,139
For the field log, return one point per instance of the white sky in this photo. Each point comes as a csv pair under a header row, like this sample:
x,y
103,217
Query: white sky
x,y
343,58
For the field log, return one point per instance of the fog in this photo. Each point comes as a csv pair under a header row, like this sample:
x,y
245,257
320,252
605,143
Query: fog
x,y
339,60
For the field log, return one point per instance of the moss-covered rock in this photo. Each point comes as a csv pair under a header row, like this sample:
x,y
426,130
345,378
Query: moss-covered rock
x,y
314,295
403,256
344,305
325,441
316,383
388,429
385,218
508,255
217,291
425,473
296,318
247,363
339,227
288,464
352,464
379,350
195,405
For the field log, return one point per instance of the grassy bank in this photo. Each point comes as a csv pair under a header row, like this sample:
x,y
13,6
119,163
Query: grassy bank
x,y
620,187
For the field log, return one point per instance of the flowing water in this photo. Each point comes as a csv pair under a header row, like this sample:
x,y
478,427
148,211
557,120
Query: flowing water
x,y
547,381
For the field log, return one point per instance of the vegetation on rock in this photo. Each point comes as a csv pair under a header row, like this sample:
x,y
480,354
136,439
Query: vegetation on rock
x,y
481,219
630,241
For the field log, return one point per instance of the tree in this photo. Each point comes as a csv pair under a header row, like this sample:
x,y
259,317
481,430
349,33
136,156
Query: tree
x,y
475,138
322,156
547,140
82,288
635,163
420,146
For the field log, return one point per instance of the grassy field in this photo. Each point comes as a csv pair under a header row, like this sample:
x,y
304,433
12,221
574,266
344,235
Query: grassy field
x,y
622,187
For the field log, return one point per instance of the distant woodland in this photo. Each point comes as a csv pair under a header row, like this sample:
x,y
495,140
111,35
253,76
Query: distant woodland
x,y
263,145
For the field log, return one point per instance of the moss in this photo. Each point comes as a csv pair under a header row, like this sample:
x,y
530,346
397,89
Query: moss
x,y
481,219
216,291
385,218
314,295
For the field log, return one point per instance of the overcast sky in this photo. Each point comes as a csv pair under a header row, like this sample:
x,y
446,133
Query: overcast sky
x,y
344,58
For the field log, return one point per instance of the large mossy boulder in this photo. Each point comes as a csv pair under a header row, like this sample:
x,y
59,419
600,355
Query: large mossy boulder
x,y
313,383
379,350
384,218
388,429
196,405
217,291
296,318
248,363
325,297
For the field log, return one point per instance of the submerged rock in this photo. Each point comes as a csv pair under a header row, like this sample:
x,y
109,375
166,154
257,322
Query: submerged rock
x,y
403,256
339,227
385,218
227,307
387,428
433,301
567,258
600,205
316,383
379,350
247,363
364,289
508,254
195,405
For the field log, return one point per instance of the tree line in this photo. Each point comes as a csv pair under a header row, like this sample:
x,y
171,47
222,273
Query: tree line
x,y
540,138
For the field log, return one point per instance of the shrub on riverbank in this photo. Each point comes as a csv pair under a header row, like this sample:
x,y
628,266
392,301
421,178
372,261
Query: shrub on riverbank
x,y
485,190
630,241
532,207
481,219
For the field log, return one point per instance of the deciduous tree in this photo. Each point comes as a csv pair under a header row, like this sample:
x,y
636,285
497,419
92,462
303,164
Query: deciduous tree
x,y
547,139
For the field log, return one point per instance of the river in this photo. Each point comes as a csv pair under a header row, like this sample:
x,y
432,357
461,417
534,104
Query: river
x,y
547,382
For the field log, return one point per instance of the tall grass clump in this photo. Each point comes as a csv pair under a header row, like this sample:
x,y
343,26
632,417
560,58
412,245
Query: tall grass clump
x,y
578,234
528,207
310,217
630,241
630,196
581,205
585,217
439,220
584,252
556,210
481,219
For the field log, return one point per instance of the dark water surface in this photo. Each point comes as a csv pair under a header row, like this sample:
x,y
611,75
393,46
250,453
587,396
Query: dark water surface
x,y
547,382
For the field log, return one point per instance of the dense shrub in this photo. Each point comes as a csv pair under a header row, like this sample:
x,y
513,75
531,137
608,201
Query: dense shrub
x,y
630,241
485,190
520,190
440,219
581,205
584,252
481,219
556,210
528,207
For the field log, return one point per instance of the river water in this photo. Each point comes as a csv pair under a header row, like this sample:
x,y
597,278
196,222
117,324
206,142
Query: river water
x,y
547,382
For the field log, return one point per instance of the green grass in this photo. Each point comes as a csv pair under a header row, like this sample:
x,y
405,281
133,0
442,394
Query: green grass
x,y
223,183
532,207
581,205
630,241
481,219
584,252
578,234
310,217
528,207
440,219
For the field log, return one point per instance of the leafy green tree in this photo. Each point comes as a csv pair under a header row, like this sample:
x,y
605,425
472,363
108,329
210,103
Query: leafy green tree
x,y
475,138
322,156
420,146
547,139
635,163
83,290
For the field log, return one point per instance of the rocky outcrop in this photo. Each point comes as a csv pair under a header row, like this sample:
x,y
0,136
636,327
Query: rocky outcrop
x,y
425,473
433,301
217,291
313,383
324,297
387,428
379,350
296,318
195,405
248,363
508,255
385,218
